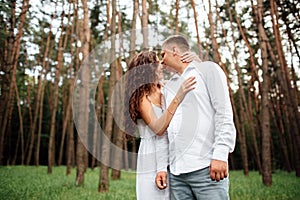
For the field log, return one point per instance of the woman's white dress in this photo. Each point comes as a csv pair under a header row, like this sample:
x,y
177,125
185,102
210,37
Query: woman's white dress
x,y
148,154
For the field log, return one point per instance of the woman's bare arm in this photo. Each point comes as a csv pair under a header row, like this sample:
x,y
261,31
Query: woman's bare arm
x,y
159,125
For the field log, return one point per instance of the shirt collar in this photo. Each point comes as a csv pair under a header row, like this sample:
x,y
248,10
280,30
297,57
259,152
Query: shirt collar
x,y
175,76
192,65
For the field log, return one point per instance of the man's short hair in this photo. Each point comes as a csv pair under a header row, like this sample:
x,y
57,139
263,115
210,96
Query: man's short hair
x,y
178,40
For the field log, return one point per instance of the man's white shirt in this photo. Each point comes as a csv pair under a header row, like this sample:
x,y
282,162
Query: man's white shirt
x,y
202,127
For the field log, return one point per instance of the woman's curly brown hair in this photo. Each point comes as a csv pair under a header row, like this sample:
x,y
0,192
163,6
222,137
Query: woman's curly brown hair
x,y
140,80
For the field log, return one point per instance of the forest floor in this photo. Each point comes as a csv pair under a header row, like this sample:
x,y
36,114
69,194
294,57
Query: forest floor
x,y
29,182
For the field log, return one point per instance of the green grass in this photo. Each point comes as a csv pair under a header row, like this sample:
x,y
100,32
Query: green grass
x,y
24,182
28,182
284,186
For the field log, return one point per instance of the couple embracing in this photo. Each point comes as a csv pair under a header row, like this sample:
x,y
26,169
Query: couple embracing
x,y
186,126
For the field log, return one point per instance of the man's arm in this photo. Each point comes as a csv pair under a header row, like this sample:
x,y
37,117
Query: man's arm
x,y
225,133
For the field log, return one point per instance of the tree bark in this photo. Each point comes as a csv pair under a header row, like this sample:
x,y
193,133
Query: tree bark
x,y
70,145
105,154
7,68
118,133
51,148
133,33
284,15
21,136
197,30
11,68
266,134
291,97
176,17
116,156
240,124
217,57
279,126
71,87
254,76
144,21
81,154
70,157
38,106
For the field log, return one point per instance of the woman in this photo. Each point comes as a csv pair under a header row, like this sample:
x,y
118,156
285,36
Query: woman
x,y
144,100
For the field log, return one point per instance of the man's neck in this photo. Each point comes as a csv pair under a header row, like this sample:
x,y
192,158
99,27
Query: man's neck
x,y
182,67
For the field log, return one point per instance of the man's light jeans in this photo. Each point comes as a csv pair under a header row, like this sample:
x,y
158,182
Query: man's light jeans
x,y
198,185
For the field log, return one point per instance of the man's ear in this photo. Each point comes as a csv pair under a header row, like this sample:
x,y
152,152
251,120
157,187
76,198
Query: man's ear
x,y
174,50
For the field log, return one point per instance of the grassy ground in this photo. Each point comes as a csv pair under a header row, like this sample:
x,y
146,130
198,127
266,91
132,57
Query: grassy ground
x,y
20,182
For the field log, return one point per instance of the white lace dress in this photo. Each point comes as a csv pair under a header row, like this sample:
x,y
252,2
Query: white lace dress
x,y
147,162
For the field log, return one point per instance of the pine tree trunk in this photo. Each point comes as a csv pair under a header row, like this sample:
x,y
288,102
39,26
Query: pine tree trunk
x,y
105,154
118,133
266,134
9,121
254,75
29,115
51,148
16,150
176,18
6,78
40,124
35,118
10,70
95,142
21,136
101,112
70,150
217,57
97,126
133,33
240,124
144,21
67,104
132,48
40,97
277,119
291,98
16,52
197,30
70,157
171,18
287,23
66,121
83,115
117,153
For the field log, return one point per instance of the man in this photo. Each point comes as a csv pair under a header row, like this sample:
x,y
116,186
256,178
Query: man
x,y
201,133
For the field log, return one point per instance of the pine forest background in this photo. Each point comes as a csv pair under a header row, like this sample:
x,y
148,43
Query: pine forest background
x,y
43,44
